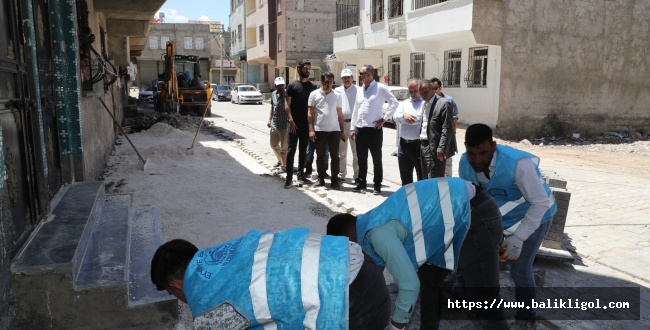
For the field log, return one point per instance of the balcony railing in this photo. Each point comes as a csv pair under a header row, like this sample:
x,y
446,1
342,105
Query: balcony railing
x,y
347,16
417,4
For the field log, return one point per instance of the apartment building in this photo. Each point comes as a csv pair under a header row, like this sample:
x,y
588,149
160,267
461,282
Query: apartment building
x,y
201,38
528,68
279,33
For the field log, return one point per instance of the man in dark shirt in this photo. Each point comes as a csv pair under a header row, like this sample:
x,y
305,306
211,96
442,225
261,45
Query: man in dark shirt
x,y
296,107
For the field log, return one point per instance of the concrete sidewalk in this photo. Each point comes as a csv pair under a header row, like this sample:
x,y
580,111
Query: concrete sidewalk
x,y
607,226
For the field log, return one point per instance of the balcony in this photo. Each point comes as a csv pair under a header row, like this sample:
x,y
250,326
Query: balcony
x,y
453,24
127,23
346,40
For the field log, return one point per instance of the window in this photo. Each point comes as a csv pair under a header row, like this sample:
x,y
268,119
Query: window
x,y
261,34
188,42
199,43
163,42
279,42
417,4
395,9
279,6
239,32
377,9
476,75
153,42
417,66
451,75
393,70
347,14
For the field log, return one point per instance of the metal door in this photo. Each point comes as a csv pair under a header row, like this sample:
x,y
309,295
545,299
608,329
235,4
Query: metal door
x,y
46,88
16,163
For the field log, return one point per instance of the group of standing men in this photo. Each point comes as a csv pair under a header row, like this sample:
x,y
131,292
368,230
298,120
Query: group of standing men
x,y
330,119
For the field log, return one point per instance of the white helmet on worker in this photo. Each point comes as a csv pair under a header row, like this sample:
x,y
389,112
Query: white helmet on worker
x,y
346,73
279,81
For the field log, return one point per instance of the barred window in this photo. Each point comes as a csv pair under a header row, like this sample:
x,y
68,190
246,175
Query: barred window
x,y
163,42
377,9
417,4
188,42
153,42
347,14
261,34
395,9
239,32
476,75
199,43
451,75
393,70
417,66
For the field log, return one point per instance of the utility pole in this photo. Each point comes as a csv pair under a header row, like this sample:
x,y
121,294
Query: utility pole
x,y
217,38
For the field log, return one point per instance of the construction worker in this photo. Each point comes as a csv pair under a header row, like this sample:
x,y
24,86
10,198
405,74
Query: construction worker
x,y
293,279
512,177
433,226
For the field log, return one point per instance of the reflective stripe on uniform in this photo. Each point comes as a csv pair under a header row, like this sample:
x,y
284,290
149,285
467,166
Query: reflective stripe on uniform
x,y
511,205
448,219
258,283
309,279
416,224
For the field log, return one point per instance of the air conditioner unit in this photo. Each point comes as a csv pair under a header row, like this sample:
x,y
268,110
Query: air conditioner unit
x,y
397,30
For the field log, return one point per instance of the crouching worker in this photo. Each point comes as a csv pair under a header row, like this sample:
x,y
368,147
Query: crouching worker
x,y
293,279
432,226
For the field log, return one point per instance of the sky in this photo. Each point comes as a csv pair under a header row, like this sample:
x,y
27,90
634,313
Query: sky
x,y
180,11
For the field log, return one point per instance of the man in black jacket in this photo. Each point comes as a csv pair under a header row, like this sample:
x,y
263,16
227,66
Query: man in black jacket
x,y
437,138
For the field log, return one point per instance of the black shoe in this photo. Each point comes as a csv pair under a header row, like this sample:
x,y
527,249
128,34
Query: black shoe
x,y
357,181
320,183
340,179
376,191
288,185
394,153
359,188
304,180
278,164
335,186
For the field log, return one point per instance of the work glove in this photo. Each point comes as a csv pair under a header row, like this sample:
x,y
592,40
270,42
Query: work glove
x,y
512,246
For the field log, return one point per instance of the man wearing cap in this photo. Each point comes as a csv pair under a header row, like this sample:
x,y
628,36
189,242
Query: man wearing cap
x,y
278,124
348,93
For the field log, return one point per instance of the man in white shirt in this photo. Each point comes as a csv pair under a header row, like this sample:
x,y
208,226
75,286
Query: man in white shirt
x,y
367,123
409,117
526,203
348,93
325,118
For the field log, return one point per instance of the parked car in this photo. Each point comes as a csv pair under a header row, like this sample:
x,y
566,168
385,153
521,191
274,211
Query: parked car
x,y
245,94
146,95
401,93
221,93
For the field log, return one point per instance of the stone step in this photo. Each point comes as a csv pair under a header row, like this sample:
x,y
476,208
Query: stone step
x,y
104,261
53,246
145,238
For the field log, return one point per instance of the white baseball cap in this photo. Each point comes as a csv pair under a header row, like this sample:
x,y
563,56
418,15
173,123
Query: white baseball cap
x,y
346,73
279,81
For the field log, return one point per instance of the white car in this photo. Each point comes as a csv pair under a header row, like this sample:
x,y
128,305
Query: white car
x,y
401,93
146,95
245,94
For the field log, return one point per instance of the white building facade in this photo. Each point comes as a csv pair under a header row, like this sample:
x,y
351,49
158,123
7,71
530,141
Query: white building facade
x,y
526,68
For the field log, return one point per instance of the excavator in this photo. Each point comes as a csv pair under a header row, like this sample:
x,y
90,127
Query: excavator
x,y
179,87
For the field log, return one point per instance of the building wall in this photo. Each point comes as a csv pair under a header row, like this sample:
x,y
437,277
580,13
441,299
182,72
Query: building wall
x,y
308,31
98,130
569,66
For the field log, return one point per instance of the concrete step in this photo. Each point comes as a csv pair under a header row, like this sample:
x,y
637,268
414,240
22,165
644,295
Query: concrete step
x,y
53,246
145,238
103,261
74,271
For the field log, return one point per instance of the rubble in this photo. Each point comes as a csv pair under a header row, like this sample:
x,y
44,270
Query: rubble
x,y
616,142
182,122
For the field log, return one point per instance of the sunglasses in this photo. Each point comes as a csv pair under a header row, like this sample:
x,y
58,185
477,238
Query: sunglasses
x,y
361,74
